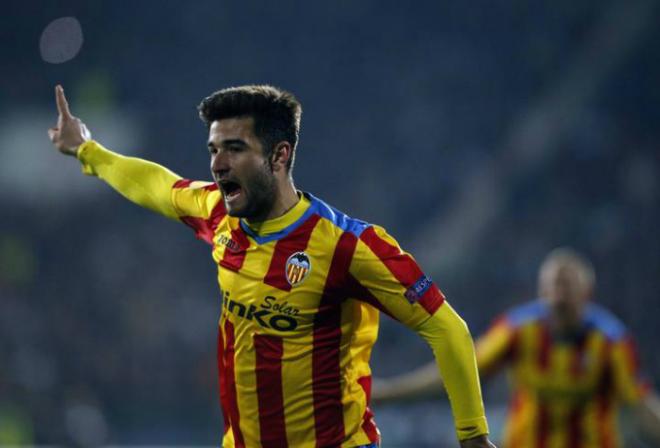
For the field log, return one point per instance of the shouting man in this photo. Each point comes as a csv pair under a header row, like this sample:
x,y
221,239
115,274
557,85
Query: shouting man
x,y
302,283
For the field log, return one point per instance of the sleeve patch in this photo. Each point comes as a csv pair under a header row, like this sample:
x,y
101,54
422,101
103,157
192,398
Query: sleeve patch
x,y
415,293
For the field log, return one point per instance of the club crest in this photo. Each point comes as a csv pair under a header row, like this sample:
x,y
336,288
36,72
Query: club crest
x,y
297,267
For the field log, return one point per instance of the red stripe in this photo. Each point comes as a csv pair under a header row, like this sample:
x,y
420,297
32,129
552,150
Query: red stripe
x,y
643,385
604,399
182,183
542,426
514,349
294,242
233,259
403,267
575,427
604,422
326,379
205,228
230,386
269,350
222,381
363,294
515,408
368,424
577,362
514,345
545,344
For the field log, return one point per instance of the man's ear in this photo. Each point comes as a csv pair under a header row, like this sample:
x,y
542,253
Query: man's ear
x,y
281,155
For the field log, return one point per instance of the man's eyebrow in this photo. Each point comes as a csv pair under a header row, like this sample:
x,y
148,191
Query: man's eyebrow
x,y
228,142
233,141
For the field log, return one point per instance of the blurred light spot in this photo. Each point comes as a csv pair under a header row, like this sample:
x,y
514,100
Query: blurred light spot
x,y
94,94
640,179
15,426
17,261
34,173
86,424
33,370
61,40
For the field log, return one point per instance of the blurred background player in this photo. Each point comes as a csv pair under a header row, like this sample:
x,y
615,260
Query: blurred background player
x,y
572,363
302,283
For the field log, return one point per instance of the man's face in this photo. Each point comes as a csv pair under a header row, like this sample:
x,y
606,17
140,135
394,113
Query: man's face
x,y
565,289
240,169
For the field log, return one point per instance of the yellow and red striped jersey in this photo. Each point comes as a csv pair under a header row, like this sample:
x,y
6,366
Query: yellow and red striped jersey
x,y
301,295
565,391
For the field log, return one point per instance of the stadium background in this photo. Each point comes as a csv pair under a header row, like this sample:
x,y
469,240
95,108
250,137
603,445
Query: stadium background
x,y
481,134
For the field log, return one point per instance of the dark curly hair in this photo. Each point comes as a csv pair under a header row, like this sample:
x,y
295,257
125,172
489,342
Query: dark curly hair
x,y
276,113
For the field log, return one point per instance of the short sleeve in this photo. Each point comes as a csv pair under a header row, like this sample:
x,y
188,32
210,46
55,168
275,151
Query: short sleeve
x,y
630,385
494,346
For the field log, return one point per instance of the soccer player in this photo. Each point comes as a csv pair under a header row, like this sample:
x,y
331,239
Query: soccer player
x,y
301,282
571,364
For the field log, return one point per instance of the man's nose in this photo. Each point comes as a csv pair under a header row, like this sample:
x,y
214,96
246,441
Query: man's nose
x,y
220,163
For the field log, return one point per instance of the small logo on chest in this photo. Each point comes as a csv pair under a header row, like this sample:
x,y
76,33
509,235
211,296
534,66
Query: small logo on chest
x,y
298,266
230,244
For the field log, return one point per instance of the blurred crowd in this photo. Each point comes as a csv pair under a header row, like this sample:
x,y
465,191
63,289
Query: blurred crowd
x,y
108,313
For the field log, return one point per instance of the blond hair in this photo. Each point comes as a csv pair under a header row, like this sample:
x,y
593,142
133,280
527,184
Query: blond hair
x,y
566,256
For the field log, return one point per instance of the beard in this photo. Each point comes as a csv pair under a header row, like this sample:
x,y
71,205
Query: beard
x,y
260,189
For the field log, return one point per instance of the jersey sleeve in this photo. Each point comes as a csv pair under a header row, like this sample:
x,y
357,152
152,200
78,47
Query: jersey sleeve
x,y
197,204
495,346
392,281
629,384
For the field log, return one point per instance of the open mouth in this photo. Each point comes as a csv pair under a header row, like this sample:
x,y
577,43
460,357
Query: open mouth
x,y
230,190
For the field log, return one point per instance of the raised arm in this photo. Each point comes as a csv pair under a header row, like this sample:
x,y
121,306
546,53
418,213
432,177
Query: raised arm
x,y
144,183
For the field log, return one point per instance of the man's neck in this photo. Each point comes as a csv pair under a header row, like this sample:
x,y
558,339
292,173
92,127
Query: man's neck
x,y
287,198
563,329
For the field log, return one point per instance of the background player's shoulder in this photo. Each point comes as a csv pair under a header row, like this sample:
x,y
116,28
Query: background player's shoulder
x,y
527,312
337,217
605,321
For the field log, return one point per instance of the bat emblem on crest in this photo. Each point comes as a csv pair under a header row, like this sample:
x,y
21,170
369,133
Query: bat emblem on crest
x,y
297,268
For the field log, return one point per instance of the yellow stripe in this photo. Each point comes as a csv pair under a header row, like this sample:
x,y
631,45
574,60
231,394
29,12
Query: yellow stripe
x,y
491,347
297,391
359,327
228,439
297,357
194,200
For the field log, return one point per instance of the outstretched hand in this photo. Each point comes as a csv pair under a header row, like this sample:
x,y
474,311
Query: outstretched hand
x,y
70,132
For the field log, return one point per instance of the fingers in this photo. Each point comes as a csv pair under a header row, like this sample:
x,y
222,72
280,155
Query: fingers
x,y
85,131
62,104
52,134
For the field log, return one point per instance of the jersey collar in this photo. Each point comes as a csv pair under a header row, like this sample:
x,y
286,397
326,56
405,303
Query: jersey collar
x,y
276,228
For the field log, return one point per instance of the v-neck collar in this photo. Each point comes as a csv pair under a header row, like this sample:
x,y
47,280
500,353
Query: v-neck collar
x,y
276,228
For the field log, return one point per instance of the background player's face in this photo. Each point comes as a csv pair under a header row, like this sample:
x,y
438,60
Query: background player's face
x,y
240,169
563,286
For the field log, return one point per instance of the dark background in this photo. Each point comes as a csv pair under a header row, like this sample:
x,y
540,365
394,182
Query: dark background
x,y
480,134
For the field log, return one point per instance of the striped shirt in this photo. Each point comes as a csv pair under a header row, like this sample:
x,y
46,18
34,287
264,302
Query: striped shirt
x,y
565,390
301,295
